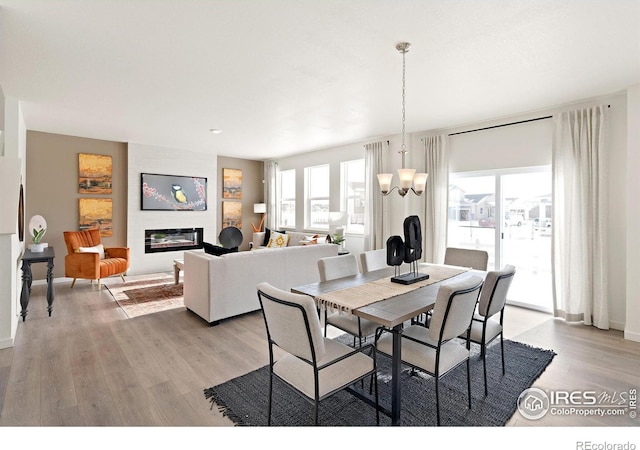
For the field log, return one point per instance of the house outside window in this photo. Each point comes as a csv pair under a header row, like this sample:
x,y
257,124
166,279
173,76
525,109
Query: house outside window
x,y
287,203
317,197
352,193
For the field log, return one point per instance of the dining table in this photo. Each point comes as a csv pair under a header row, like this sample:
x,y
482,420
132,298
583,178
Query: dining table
x,y
388,304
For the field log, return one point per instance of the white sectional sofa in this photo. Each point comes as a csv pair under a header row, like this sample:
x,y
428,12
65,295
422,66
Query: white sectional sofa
x,y
219,287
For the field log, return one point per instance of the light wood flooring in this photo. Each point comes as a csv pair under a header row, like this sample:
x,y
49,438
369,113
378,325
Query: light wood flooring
x,y
88,365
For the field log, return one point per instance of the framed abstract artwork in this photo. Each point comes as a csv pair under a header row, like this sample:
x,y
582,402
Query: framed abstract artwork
x,y
232,214
96,213
94,174
232,183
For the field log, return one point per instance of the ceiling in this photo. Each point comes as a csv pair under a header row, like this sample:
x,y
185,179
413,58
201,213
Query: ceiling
x,y
280,77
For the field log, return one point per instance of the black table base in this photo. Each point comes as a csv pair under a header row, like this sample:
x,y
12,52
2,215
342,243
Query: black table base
x,y
29,258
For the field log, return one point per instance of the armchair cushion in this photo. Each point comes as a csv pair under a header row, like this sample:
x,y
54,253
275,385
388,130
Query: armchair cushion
x,y
117,252
99,249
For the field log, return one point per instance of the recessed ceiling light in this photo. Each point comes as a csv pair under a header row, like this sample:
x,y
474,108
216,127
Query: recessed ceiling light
x,y
215,131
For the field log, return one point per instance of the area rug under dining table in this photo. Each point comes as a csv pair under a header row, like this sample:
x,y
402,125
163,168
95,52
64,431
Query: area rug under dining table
x,y
245,399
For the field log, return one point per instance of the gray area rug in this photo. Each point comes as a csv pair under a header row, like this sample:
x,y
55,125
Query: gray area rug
x,y
245,399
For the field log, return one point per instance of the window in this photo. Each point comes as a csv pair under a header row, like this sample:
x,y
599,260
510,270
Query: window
x,y
352,194
317,197
287,204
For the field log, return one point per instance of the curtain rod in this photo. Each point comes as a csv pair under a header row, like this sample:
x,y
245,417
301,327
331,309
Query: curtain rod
x,y
505,124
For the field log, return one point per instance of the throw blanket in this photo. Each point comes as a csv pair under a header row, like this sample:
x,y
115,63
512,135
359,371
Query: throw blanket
x,y
356,297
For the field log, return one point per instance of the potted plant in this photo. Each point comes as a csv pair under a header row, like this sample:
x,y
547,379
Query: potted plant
x,y
338,239
38,229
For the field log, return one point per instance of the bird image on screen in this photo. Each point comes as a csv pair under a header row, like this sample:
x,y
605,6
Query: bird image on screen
x,y
178,194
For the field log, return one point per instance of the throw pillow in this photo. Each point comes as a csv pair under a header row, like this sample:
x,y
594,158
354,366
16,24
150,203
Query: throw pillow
x,y
278,240
99,249
309,240
267,235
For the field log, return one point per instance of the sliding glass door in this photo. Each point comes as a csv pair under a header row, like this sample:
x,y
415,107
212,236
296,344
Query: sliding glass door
x,y
472,213
508,214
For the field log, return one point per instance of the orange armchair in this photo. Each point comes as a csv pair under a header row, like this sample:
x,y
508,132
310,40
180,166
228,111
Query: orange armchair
x,y
84,259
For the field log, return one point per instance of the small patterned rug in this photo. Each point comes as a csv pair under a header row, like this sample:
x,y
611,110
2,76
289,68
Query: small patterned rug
x,y
138,298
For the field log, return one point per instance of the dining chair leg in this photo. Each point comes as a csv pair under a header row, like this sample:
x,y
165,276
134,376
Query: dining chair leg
x,y
484,368
437,402
270,396
469,381
377,400
502,351
315,412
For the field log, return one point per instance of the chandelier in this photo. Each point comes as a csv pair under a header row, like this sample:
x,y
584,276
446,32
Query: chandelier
x,y
408,177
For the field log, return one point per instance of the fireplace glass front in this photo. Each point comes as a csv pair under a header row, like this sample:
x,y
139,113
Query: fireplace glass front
x,y
172,239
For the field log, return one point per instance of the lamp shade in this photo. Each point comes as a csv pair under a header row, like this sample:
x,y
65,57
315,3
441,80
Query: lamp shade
x,y
259,208
385,181
406,177
420,181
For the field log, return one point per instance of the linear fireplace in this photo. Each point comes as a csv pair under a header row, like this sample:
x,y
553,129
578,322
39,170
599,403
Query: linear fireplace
x,y
172,239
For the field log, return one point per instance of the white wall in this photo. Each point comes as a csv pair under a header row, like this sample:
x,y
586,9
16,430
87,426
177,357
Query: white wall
x,y
148,159
632,325
10,247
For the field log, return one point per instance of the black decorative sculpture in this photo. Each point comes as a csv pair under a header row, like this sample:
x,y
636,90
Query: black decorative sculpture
x,y
408,251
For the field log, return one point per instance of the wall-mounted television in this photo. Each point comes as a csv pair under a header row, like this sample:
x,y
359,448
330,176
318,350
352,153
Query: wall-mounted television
x,y
173,192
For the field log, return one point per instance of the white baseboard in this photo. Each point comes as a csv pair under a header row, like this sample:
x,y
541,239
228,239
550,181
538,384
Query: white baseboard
x,y
55,281
616,325
6,343
631,336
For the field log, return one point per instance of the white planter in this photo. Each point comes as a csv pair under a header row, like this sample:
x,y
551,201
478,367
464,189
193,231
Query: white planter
x,y
37,248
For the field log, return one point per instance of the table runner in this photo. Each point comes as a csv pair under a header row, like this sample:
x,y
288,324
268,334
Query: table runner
x,y
356,297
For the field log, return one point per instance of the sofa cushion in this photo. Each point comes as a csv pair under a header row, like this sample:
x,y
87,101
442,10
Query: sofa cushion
x,y
309,240
278,240
299,238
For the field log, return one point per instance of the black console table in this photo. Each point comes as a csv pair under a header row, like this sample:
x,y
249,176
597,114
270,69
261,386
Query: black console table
x,y
29,258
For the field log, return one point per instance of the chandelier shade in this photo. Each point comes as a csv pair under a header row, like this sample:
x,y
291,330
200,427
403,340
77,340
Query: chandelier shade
x,y
409,179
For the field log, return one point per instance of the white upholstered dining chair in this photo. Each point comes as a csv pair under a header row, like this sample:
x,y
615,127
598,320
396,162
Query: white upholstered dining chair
x,y
484,326
334,267
434,349
373,260
464,257
314,366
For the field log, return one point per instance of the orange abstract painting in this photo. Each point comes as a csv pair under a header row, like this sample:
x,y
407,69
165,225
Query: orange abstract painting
x,y
232,183
96,213
232,214
94,174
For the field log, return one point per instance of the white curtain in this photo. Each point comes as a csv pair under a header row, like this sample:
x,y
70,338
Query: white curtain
x,y
436,157
580,216
271,193
377,222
